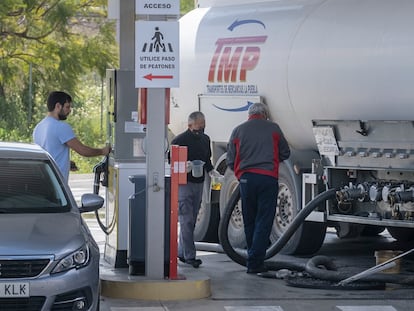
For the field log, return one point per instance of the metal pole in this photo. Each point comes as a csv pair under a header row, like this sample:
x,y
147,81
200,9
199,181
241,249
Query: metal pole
x,y
147,34
155,244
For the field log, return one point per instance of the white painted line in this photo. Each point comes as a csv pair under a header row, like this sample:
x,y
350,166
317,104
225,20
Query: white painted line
x,y
139,309
253,308
366,308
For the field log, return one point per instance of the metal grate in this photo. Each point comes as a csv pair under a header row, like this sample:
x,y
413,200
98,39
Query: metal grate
x,y
19,304
25,268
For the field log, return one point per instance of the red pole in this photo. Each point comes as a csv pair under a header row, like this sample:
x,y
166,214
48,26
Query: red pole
x,y
178,176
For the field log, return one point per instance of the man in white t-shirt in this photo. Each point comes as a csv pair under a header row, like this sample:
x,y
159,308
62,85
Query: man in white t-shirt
x,y
57,137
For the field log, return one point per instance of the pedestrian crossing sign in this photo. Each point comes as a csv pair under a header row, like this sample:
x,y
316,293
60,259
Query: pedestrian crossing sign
x,y
156,54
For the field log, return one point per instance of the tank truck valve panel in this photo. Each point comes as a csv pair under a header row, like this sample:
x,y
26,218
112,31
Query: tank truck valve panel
x,y
401,196
403,156
376,154
375,193
352,173
352,193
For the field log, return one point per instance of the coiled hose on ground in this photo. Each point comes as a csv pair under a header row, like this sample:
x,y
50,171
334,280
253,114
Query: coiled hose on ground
x,y
320,267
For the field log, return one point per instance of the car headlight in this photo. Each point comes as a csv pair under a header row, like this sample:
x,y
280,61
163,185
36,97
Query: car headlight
x,y
75,260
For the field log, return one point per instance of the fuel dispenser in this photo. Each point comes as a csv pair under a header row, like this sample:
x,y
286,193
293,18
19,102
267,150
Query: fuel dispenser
x,y
127,158
138,226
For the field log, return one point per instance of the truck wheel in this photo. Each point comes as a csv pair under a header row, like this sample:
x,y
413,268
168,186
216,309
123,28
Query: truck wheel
x,y
208,219
401,234
235,231
309,237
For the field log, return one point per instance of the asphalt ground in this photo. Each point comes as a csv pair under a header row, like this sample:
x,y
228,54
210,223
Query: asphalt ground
x,y
233,289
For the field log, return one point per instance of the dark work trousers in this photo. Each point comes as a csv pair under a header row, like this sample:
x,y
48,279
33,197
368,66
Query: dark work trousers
x,y
259,199
189,202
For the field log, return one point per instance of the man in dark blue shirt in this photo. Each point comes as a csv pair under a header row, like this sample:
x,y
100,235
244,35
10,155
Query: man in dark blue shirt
x,y
190,194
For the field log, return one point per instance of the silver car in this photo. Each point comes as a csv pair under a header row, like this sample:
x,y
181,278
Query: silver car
x,y
48,257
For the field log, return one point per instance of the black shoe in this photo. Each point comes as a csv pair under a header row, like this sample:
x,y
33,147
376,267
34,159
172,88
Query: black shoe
x,y
257,270
194,262
181,259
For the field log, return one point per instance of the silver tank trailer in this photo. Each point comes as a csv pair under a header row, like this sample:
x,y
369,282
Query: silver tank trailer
x,y
341,64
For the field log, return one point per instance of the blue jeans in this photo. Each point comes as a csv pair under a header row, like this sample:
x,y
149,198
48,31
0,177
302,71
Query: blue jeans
x,y
259,200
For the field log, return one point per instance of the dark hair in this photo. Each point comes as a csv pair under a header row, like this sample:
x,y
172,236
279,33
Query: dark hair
x,y
57,97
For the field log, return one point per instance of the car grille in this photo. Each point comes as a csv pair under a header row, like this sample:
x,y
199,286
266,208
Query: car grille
x,y
24,268
19,304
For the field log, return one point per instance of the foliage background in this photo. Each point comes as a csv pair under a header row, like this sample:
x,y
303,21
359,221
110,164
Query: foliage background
x,y
57,45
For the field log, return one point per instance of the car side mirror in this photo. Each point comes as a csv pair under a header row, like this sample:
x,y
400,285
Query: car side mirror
x,y
91,202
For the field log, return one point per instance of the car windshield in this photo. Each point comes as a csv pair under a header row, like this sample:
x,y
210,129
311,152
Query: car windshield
x,y
30,186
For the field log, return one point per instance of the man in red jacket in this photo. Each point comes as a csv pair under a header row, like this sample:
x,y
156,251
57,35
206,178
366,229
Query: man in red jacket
x,y
255,149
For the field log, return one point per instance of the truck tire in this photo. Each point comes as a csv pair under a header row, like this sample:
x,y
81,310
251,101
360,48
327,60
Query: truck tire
x,y
240,255
309,237
235,231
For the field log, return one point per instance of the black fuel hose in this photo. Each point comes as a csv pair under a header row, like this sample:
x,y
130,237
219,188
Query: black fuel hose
x,y
322,267
99,169
239,256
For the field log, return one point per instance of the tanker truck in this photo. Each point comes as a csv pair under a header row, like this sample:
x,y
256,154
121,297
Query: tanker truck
x,y
337,76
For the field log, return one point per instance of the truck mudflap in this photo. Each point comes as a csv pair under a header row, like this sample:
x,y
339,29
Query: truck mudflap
x,y
208,217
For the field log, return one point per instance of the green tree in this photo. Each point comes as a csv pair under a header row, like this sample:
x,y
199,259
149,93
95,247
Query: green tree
x,y
55,43
88,119
186,6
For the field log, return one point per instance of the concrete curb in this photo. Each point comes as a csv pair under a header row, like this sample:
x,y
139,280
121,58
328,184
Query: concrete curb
x,y
117,283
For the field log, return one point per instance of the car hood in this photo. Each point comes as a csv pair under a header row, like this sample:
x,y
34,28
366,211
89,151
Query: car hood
x,y
41,234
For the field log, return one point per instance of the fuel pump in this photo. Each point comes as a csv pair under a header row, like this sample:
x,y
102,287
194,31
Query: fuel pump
x,y
126,136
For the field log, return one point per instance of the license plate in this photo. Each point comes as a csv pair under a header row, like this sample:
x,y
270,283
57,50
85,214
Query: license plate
x,y
14,289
